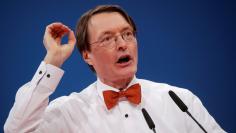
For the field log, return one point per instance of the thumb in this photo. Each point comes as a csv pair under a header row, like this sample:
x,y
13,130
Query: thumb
x,y
71,38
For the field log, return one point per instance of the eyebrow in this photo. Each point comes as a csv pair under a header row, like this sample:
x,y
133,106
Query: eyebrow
x,y
127,28
110,32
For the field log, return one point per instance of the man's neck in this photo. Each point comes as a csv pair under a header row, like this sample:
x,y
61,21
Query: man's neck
x,y
119,84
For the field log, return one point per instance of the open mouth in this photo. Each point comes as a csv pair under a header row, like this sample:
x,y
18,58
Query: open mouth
x,y
124,59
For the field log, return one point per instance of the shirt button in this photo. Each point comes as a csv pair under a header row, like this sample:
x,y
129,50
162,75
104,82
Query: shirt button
x,y
48,75
40,72
126,115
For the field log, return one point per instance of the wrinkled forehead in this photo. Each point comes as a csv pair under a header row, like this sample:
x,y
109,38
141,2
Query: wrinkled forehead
x,y
106,22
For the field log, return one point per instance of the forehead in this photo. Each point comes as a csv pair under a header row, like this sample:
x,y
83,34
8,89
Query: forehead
x,y
106,22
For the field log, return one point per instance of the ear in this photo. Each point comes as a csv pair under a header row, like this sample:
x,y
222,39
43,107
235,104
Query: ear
x,y
87,57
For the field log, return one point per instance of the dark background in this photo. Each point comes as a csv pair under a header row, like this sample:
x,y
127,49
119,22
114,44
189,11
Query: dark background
x,y
186,43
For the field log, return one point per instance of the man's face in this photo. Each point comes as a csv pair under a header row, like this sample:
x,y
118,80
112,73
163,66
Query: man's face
x,y
111,63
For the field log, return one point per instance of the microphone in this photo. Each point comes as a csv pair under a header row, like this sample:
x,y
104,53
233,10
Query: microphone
x,y
148,120
183,107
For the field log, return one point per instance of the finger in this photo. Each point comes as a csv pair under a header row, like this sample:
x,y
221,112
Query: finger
x,y
54,31
47,35
71,38
55,25
60,36
50,29
58,27
58,41
60,31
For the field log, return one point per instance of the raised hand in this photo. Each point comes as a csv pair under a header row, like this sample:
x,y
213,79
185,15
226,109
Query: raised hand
x,y
58,53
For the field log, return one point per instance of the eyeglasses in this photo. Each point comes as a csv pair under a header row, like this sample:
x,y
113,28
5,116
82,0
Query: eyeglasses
x,y
109,40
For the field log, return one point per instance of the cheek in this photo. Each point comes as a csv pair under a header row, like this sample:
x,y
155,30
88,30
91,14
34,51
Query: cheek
x,y
103,58
135,50
106,60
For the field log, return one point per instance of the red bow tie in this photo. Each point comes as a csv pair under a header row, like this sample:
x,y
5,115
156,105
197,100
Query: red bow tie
x,y
133,94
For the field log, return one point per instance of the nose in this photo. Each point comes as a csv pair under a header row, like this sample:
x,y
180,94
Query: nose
x,y
121,44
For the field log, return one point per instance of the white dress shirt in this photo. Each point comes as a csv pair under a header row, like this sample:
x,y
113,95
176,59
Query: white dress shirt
x,y
85,112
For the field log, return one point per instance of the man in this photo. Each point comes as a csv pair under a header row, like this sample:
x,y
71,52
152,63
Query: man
x,y
113,104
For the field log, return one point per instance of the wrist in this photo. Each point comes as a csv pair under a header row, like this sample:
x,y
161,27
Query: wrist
x,y
53,60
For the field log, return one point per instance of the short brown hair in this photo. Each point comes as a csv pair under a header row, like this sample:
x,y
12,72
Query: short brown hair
x,y
82,25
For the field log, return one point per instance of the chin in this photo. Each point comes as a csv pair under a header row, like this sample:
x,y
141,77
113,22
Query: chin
x,y
127,73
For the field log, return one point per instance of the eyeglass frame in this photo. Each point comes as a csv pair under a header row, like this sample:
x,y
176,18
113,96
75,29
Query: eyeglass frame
x,y
115,37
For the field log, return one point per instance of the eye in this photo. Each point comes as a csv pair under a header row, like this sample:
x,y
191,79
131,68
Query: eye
x,y
106,39
128,33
